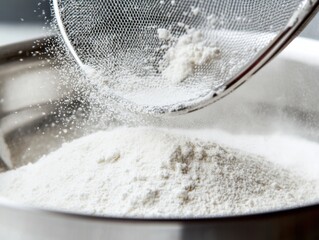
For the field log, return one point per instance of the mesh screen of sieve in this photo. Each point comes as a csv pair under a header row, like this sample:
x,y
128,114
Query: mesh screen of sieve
x,y
121,41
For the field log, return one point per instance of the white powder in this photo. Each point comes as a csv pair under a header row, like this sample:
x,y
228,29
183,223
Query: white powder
x,y
153,172
163,34
195,10
190,51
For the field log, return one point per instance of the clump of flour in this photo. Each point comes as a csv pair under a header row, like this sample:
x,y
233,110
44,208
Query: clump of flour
x,y
195,10
152,172
190,51
163,34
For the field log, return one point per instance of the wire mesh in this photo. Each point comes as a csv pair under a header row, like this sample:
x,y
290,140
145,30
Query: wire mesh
x,y
119,39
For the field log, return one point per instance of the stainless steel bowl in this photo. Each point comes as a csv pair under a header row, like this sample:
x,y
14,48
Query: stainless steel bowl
x,y
283,97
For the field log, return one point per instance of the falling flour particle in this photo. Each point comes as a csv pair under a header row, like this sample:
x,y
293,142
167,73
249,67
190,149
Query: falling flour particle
x,y
190,51
153,172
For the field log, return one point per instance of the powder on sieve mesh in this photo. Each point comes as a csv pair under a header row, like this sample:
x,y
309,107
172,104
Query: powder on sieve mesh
x,y
189,52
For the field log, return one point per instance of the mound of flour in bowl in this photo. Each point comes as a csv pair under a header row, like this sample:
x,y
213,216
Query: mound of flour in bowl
x,y
153,172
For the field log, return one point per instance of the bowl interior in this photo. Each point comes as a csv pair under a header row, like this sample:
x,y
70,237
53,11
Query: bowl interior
x,y
39,111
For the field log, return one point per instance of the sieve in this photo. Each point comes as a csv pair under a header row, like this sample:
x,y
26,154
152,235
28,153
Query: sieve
x,y
176,56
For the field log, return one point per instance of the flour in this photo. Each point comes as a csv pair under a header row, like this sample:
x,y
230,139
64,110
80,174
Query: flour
x,y
190,51
163,34
154,172
195,10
